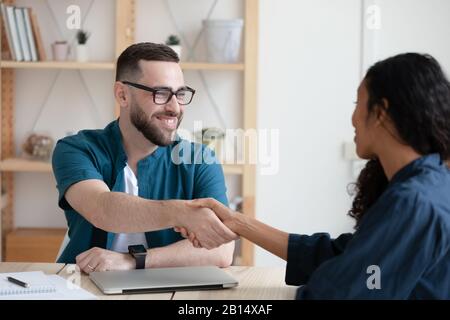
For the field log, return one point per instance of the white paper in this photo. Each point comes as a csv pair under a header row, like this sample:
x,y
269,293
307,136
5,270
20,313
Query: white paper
x,y
62,289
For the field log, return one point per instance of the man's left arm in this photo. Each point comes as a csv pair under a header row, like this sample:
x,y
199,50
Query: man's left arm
x,y
182,253
178,254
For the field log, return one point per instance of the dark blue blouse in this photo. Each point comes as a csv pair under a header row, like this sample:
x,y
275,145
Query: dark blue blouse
x,y
401,249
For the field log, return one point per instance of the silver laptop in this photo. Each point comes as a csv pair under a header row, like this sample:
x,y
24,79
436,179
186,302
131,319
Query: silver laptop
x,y
162,280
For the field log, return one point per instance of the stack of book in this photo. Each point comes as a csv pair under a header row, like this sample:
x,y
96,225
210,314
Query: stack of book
x,y
23,38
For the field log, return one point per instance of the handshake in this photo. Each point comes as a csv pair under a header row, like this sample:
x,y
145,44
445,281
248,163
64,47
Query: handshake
x,y
207,223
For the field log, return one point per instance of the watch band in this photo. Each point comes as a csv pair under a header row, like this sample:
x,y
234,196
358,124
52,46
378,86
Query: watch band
x,y
140,261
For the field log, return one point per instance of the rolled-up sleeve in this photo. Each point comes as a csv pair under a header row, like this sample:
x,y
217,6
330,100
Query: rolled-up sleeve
x,y
72,162
307,253
209,178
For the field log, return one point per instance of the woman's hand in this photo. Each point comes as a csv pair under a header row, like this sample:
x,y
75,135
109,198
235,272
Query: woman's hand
x,y
225,214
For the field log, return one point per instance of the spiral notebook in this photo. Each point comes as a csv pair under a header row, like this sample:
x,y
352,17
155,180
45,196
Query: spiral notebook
x,y
38,281
42,287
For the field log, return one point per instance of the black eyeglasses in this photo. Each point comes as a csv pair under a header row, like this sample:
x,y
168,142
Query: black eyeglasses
x,y
162,95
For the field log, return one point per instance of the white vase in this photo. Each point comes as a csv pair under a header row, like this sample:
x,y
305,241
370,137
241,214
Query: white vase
x,y
82,53
177,50
223,40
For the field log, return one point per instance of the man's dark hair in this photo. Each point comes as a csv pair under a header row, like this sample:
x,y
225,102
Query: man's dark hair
x,y
128,61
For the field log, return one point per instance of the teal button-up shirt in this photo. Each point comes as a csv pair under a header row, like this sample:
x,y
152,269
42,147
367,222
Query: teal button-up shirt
x,y
182,170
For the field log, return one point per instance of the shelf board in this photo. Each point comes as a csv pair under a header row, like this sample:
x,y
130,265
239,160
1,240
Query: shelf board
x,y
233,169
212,66
111,65
24,165
74,65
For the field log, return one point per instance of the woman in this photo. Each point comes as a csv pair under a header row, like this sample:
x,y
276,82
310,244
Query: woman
x,y
401,247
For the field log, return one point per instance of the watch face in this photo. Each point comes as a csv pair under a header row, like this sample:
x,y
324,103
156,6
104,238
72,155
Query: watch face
x,y
137,249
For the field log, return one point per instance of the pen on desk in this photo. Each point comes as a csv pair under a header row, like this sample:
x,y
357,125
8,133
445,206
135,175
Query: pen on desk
x,y
18,282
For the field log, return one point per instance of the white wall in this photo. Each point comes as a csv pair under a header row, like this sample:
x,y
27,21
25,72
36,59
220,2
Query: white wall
x,y
312,48
309,71
417,26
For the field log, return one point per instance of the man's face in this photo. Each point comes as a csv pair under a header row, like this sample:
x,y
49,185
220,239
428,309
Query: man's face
x,y
158,123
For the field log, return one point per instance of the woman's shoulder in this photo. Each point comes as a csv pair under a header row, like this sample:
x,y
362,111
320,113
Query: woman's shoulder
x,y
425,199
429,185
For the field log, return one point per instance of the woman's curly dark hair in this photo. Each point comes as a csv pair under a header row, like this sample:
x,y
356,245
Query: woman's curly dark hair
x,y
418,96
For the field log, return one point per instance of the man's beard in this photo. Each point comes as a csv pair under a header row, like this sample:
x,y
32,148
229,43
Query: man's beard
x,y
150,130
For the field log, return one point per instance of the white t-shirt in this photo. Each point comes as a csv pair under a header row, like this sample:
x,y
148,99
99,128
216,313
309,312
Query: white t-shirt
x,y
123,240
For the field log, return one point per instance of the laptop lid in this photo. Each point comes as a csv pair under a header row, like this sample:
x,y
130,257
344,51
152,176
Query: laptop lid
x,y
162,280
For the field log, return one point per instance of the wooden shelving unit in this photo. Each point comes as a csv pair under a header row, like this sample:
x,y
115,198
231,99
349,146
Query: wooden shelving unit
x,y
61,65
4,202
125,25
24,165
39,243
213,66
73,65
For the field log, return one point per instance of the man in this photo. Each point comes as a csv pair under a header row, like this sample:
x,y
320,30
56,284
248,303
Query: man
x,y
111,181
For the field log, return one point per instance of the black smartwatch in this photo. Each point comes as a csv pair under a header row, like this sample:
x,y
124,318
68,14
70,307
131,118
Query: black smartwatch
x,y
139,253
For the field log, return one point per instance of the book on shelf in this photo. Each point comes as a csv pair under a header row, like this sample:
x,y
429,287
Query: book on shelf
x,y
37,37
7,51
21,31
29,32
11,18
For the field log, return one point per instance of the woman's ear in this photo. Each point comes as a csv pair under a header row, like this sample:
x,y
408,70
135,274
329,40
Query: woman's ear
x,y
381,113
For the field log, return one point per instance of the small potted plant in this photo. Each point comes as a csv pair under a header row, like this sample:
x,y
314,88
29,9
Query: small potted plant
x,y
213,138
173,42
82,54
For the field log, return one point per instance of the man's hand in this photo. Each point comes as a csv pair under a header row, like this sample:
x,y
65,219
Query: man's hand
x,y
222,212
97,259
202,222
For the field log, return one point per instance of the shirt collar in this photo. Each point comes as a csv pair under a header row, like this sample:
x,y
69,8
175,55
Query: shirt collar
x,y
118,143
432,161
